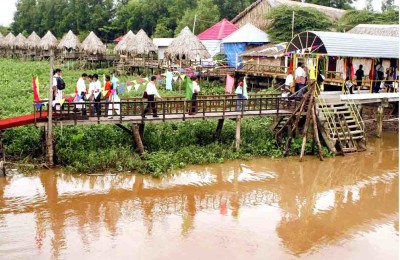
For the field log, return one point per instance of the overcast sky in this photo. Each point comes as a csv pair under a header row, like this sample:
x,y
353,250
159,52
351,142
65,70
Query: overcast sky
x,y
7,9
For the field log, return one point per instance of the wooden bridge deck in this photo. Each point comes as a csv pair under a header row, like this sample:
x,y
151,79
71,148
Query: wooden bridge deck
x,y
168,109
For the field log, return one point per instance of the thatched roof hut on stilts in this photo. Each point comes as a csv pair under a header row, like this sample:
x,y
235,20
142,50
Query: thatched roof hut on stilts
x,y
93,47
8,43
47,43
20,46
69,46
126,47
145,47
185,49
32,42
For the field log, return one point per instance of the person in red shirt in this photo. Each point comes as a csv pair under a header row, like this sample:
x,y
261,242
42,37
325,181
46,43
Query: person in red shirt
x,y
107,87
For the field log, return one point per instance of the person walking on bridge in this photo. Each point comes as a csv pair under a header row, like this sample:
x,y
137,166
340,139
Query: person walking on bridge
x,y
151,91
196,91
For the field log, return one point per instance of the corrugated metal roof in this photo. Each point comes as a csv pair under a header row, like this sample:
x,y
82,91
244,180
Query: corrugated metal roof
x,y
247,33
346,44
391,30
162,41
218,31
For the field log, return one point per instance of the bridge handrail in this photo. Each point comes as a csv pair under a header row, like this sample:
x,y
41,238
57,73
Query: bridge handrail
x,y
206,107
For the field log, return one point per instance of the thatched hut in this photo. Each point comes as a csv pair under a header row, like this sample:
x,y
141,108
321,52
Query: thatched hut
x,y
8,44
20,45
186,47
93,47
33,41
69,46
47,43
144,45
126,46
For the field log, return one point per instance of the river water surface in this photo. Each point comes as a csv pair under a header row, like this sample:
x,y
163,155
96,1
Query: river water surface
x,y
342,208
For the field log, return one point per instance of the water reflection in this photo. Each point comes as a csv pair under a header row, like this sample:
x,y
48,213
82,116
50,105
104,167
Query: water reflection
x,y
310,205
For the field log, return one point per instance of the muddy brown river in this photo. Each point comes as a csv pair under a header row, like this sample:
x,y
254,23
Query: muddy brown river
x,y
342,208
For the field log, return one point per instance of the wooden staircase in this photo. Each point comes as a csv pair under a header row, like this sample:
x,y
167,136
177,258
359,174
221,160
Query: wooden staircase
x,y
344,131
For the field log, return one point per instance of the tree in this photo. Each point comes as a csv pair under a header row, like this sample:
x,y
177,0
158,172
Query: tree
x,y
306,18
163,28
341,4
207,15
4,30
387,5
352,18
368,6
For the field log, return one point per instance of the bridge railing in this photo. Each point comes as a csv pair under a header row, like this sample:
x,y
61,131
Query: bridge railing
x,y
167,109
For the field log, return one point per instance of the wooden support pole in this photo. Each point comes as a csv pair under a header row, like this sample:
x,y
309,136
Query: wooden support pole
x,y
316,134
308,117
219,129
3,155
49,136
141,131
137,139
379,121
237,136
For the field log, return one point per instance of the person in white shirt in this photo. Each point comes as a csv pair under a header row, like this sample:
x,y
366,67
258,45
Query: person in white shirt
x,y
97,93
81,92
151,91
57,88
300,76
196,91
90,94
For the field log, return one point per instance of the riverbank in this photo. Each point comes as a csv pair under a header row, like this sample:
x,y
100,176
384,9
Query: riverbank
x,y
168,146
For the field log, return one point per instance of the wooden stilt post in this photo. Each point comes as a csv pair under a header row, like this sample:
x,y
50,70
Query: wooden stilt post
x,y
219,129
308,117
379,121
49,139
141,131
316,134
237,136
3,156
137,139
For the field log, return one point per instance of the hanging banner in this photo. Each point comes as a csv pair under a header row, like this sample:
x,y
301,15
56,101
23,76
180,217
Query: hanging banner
x,y
230,81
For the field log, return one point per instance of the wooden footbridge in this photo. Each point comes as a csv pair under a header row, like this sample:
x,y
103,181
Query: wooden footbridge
x,y
168,109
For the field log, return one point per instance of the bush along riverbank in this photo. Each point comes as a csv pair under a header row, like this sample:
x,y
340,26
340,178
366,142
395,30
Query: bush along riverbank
x,y
168,146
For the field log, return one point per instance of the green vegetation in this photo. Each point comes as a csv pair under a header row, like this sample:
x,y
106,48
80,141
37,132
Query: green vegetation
x,y
109,19
355,17
306,18
104,147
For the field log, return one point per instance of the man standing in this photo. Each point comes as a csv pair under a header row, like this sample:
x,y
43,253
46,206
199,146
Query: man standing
x,y
151,92
196,91
300,76
58,86
81,91
359,77
379,73
97,93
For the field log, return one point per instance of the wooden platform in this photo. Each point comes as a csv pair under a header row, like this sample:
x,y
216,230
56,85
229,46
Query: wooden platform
x,y
118,119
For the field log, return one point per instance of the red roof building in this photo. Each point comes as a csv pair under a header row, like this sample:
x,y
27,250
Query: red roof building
x,y
218,31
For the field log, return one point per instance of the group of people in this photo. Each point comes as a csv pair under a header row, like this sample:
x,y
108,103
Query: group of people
x,y
88,88
151,92
299,81
380,78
